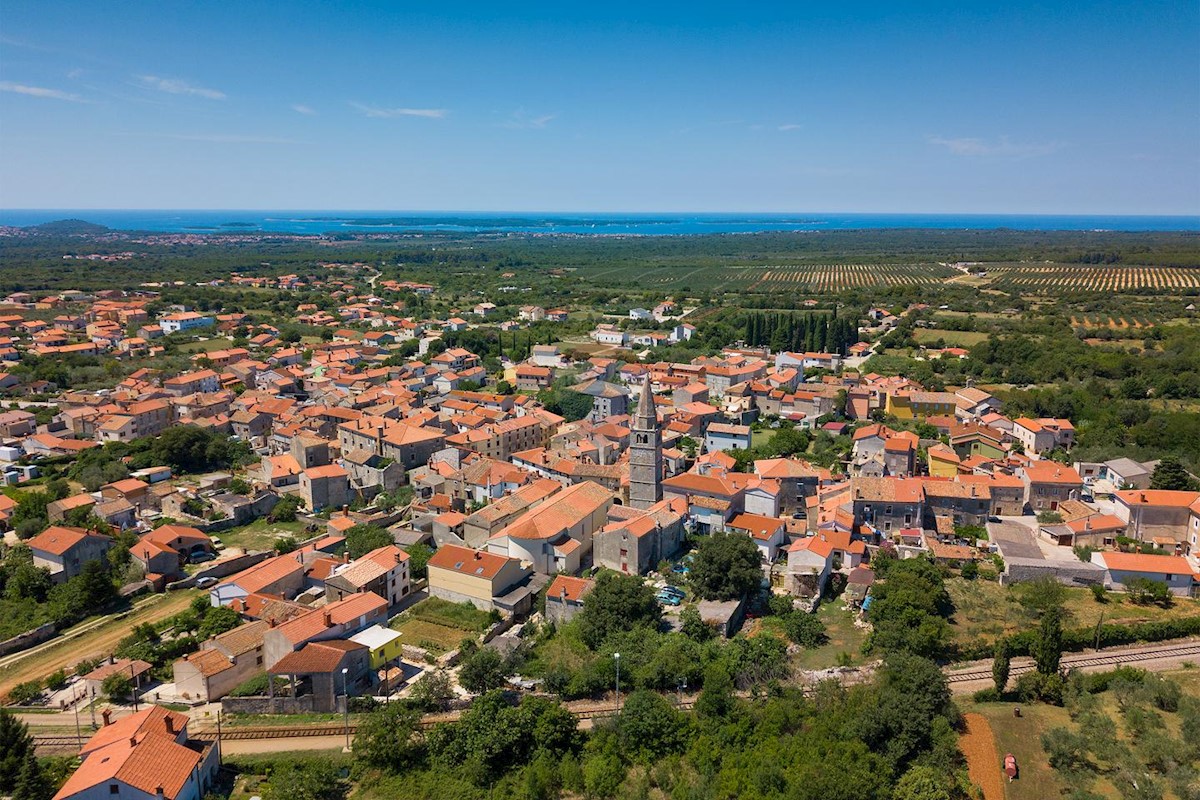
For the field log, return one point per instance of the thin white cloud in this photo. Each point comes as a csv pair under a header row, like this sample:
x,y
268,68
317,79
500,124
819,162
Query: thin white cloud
x,y
376,112
75,74
300,108
176,86
791,126
39,91
218,138
522,121
1002,147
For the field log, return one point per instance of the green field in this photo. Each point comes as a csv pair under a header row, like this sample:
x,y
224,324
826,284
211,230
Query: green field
x,y
440,626
844,638
951,338
262,535
983,610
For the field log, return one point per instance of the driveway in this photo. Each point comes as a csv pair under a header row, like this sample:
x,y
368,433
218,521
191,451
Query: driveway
x,y
1014,540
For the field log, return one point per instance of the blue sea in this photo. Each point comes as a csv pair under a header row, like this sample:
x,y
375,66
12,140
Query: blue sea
x,y
660,224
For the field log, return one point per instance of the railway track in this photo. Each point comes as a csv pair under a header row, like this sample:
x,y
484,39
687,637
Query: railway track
x,y
1089,660
70,743
234,733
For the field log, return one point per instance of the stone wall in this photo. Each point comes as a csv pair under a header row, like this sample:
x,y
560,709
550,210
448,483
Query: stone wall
x,y
268,705
1019,570
27,639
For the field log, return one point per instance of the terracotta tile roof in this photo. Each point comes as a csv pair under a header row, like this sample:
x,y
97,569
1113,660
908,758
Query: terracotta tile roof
x,y
57,539
758,526
560,512
148,721
1051,472
568,588
1157,497
342,612
466,561
316,657
327,471
264,574
1136,562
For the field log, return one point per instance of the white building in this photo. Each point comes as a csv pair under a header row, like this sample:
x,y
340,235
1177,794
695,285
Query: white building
x,y
185,321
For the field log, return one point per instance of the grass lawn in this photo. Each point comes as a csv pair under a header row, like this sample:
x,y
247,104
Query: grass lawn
x,y
261,535
1022,737
952,338
439,626
760,438
844,637
431,636
206,346
985,610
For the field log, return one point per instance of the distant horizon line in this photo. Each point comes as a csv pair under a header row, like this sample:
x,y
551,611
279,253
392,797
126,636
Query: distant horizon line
x,y
57,209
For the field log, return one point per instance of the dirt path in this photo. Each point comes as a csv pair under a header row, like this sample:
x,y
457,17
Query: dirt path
x,y
983,762
93,639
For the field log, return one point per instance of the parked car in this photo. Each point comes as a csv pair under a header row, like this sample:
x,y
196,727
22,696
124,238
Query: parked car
x,y
204,583
668,599
201,557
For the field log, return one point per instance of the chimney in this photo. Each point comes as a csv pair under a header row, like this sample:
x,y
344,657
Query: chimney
x,y
159,794
478,556
170,722
1087,524
270,622
1142,497
345,511
328,619
346,557
107,715
133,740
398,558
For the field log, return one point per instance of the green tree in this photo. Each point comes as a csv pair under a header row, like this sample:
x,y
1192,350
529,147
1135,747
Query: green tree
x,y
387,737
362,539
617,603
1170,473
304,780
804,629
418,557
218,620
726,566
1048,645
922,783
15,746
117,687
649,726
32,782
484,670
1001,665
693,626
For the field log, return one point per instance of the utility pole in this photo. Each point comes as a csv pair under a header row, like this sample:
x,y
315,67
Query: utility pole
x,y
346,705
78,732
617,659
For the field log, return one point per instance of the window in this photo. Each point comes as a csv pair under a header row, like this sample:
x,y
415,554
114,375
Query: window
x,y
114,788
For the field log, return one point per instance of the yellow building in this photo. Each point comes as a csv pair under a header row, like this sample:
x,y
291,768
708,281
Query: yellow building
x,y
460,574
918,405
943,462
384,644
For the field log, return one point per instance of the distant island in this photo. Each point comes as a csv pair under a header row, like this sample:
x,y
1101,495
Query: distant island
x,y
69,227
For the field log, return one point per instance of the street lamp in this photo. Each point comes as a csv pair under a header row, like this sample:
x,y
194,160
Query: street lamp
x,y
682,686
346,705
617,659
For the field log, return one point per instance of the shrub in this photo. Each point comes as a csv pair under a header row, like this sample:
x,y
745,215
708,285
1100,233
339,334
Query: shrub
x,y
970,570
1099,593
56,680
25,693
988,695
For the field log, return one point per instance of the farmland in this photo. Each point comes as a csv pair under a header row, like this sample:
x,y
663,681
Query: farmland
x,y
810,278
1057,279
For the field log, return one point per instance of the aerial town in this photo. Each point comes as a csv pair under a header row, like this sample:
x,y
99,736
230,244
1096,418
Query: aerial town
x,y
342,512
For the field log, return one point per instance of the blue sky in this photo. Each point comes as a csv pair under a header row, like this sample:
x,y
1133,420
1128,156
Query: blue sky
x,y
1019,107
